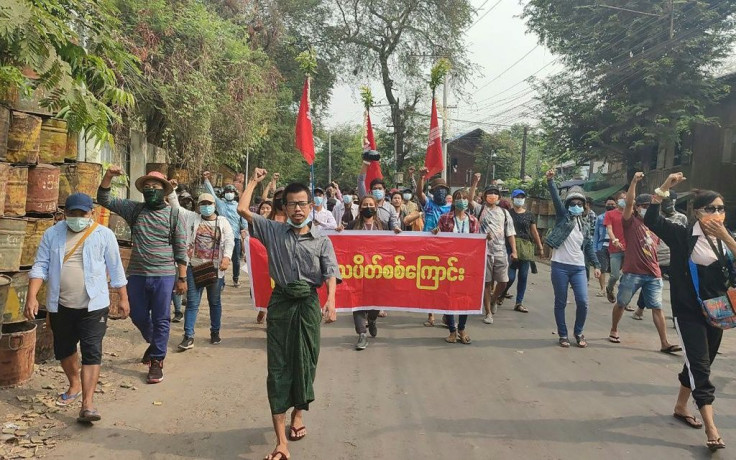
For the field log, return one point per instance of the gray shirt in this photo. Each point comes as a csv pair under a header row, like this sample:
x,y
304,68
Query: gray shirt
x,y
385,212
309,257
497,223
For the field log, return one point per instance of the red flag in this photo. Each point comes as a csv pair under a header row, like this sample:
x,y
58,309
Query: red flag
x,y
434,160
304,136
369,143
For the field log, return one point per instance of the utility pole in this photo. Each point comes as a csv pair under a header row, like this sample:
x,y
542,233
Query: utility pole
x,y
397,123
329,158
247,164
672,19
445,116
523,154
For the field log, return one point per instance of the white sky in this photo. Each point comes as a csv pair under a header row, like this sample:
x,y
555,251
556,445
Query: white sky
x,y
498,94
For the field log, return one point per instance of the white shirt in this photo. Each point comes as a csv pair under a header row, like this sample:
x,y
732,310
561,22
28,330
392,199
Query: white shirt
x,y
461,225
324,219
571,251
702,252
72,289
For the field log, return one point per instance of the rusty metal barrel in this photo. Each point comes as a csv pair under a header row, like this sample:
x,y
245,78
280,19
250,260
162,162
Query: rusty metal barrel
x,y
4,290
4,127
12,236
119,227
35,228
71,147
53,141
15,306
17,353
16,192
24,138
4,175
44,338
79,178
125,253
43,189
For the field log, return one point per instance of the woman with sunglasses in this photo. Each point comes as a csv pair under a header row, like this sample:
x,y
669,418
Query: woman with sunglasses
x,y
571,243
701,268
366,220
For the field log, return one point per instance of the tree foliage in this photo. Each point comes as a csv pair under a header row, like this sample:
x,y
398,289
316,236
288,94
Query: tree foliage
x,y
70,51
635,79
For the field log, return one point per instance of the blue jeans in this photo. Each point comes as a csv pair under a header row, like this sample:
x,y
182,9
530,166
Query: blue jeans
x,y
235,260
177,302
651,290
194,298
523,269
617,261
562,276
461,323
150,309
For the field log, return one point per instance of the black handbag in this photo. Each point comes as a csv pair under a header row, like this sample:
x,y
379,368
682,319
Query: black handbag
x,y
206,273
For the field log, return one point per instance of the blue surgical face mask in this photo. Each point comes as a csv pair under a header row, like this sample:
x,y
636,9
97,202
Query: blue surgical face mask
x,y
318,200
347,199
77,224
229,196
576,210
621,203
378,194
519,202
207,209
303,224
461,205
642,212
406,196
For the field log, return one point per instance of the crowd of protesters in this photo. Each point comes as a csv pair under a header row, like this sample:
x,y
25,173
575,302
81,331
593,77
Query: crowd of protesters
x,y
184,244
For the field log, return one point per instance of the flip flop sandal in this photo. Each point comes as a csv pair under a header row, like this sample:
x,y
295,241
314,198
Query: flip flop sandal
x,y
429,324
521,308
64,399
715,444
671,349
276,455
580,339
564,342
465,340
295,432
89,416
614,339
638,317
689,420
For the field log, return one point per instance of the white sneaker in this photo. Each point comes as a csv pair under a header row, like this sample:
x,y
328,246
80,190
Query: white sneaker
x,y
488,319
494,309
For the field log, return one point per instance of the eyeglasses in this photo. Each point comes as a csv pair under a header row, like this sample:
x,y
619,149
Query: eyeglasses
x,y
293,204
714,209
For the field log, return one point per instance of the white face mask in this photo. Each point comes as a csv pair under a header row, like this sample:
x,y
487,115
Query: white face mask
x,y
519,202
229,196
642,212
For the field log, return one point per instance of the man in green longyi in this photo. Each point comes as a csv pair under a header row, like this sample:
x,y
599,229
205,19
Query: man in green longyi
x,y
300,259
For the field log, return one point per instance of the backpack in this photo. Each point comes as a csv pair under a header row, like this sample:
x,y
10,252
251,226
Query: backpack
x,y
173,221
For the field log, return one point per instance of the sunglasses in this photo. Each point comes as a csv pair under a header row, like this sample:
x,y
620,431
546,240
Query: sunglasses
x,y
714,209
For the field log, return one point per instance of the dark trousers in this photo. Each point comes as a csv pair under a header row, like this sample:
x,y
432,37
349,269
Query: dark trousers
x,y
236,259
359,318
150,309
462,320
700,342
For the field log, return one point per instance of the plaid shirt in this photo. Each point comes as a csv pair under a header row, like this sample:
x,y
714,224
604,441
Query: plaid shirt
x,y
447,223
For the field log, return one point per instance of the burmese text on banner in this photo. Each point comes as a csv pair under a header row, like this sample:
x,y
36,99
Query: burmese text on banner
x,y
412,271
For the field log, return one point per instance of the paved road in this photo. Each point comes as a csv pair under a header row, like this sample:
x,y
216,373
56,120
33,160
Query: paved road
x,y
512,394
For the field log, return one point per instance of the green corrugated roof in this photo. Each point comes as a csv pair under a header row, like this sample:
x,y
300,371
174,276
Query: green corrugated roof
x,y
602,194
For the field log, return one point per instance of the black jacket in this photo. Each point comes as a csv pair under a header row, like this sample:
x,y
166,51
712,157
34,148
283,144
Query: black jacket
x,y
681,241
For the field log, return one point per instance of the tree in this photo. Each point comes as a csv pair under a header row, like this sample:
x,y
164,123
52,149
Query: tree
x,y
399,40
635,79
69,50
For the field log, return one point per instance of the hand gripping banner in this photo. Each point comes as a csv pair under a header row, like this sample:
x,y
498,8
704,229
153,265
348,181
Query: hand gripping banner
x,y
412,271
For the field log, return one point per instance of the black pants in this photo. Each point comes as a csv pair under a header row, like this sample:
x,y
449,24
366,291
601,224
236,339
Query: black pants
x,y
359,318
700,342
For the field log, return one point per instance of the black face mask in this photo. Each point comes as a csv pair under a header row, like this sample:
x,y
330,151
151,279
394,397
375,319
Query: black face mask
x,y
154,198
610,207
368,212
439,196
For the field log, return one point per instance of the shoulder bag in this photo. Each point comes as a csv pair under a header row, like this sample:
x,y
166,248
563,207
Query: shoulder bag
x,y
718,311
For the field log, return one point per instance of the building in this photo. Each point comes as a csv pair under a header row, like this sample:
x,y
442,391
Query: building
x,y
461,153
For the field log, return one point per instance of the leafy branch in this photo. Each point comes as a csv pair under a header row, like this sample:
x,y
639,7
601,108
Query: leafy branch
x,y
366,96
307,61
437,75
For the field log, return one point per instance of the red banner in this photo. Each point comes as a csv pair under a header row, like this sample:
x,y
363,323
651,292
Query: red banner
x,y
412,271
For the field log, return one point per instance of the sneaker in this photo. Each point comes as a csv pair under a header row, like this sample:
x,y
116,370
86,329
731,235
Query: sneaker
x,y
155,371
609,295
178,316
215,338
494,307
362,342
187,343
372,328
146,359
236,283
488,319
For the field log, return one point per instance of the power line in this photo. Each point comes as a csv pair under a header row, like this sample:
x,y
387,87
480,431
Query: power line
x,y
484,14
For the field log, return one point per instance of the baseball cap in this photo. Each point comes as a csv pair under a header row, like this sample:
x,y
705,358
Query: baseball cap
x,y
206,197
517,192
78,201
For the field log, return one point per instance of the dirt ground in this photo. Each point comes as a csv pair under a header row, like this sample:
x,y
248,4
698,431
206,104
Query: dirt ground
x,y
512,393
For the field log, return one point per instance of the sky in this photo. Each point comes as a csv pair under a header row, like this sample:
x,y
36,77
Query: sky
x,y
498,95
